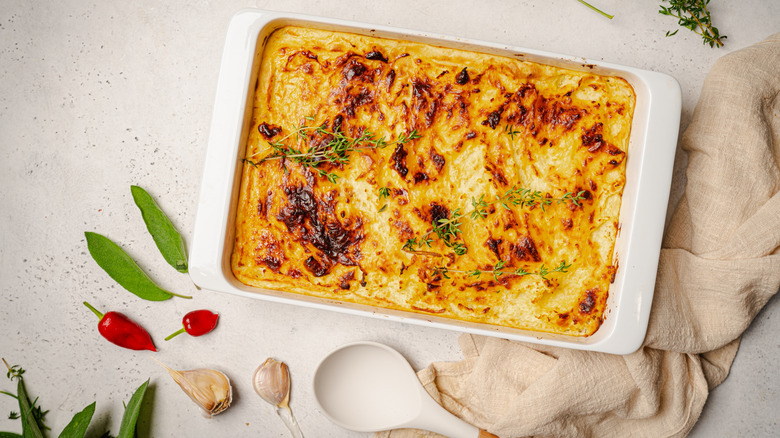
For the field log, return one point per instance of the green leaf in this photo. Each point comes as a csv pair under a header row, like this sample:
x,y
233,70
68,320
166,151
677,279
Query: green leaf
x,y
133,408
123,269
30,425
10,435
169,241
77,427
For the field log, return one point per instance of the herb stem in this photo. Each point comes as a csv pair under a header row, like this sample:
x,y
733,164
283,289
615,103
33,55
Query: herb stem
x,y
316,157
421,252
297,132
319,157
596,9
498,270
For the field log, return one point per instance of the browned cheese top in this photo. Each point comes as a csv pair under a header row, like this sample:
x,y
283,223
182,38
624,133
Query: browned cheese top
x,y
492,132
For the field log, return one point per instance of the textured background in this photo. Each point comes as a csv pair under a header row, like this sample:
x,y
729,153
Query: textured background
x,y
96,96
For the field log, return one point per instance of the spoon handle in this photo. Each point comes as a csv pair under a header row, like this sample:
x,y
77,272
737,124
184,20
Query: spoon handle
x,y
485,434
289,420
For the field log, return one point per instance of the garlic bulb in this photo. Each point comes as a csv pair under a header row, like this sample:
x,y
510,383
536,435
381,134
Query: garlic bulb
x,y
209,389
272,383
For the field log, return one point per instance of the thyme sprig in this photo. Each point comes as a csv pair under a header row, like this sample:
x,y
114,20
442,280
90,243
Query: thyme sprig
x,y
447,229
518,196
498,270
334,150
693,15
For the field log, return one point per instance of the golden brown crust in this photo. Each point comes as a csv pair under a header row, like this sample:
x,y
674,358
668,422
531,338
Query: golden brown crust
x,y
488,125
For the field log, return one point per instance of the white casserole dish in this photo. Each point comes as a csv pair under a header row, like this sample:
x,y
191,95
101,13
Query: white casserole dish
x,y
649,165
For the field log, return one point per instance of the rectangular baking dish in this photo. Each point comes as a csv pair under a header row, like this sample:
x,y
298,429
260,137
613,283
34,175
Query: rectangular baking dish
x,y
649,165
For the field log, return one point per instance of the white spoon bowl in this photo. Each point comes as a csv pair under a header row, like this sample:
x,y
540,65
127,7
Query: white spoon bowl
x,y
368,387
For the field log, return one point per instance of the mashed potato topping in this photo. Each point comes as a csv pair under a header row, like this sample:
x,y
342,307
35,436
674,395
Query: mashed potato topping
x,y
425,179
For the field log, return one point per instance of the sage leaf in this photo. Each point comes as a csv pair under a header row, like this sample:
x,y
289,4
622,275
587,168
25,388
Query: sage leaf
x,y
169,241
133,408
77,427
123,269
30,426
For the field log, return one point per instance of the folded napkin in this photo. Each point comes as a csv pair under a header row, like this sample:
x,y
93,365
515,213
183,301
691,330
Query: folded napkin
x,y
720,263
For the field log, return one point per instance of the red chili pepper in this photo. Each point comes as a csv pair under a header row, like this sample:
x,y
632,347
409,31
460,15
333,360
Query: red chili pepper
x,y
123,331
197,323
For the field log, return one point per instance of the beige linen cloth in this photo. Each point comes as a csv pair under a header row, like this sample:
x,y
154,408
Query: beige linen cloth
x,y
720,264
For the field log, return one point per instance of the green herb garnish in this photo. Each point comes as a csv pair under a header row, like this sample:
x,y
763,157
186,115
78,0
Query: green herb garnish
x,y
512,132
169,241
498,270
335,151
124,270
520,197
447,229
694,16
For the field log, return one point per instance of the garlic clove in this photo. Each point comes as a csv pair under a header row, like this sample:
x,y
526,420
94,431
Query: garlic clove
x,y
272,382
209,389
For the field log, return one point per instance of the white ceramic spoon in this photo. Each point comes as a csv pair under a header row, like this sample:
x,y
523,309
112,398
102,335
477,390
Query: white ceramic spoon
x,y
368,387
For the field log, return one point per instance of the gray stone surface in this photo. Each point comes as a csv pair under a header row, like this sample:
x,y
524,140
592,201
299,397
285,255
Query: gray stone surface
x,y
96,96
